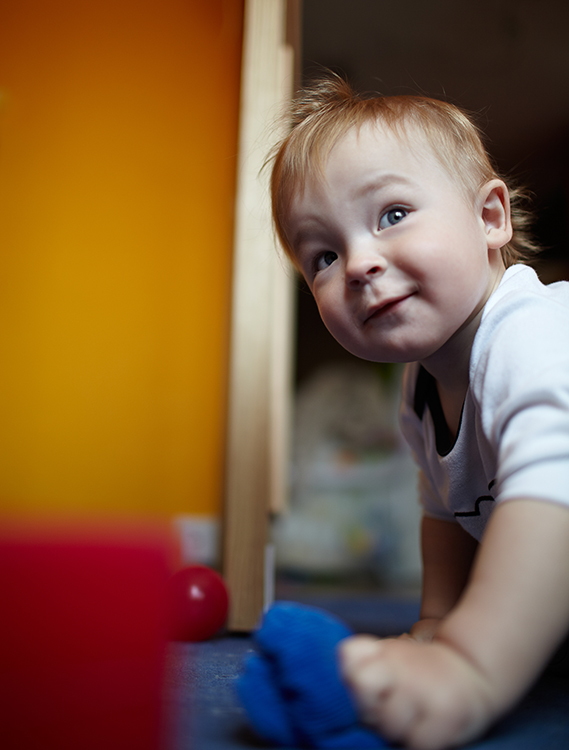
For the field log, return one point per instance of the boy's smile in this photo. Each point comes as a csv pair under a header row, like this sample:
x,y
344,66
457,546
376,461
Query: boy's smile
x,y
399,260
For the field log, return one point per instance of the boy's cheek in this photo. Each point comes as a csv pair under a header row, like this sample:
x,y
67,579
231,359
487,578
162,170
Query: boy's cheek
x,y
331,313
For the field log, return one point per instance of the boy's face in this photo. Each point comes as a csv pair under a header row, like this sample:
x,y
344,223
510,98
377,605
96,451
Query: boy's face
x,y
395,255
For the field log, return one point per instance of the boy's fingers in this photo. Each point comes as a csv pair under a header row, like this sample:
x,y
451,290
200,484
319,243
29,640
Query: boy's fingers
x,y
394,717
365,672
355,651
372,680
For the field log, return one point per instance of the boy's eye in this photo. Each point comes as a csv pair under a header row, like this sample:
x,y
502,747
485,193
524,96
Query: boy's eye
x,y
324,260
391,217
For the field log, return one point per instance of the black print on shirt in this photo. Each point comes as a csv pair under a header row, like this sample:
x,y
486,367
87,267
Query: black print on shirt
x,y
476,511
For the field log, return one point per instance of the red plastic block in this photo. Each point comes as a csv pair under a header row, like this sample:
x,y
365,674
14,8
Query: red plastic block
x,y
82,636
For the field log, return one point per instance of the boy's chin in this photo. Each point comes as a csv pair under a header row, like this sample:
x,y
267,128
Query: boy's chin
x,y
391,355
381,357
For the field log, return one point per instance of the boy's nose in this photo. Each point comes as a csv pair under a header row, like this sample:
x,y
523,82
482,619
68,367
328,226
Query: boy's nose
x,y
362,267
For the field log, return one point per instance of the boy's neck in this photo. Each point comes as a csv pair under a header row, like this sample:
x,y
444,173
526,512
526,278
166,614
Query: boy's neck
x,y
451,376
450,365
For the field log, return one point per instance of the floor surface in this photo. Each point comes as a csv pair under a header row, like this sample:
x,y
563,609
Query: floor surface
x,y
205,713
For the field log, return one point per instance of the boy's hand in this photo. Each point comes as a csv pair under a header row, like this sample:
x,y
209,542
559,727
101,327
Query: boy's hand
x,y
425,695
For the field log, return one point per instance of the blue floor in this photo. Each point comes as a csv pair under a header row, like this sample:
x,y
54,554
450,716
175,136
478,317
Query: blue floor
x,y
205,714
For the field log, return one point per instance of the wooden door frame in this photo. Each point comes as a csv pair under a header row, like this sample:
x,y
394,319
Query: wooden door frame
x,y
262,319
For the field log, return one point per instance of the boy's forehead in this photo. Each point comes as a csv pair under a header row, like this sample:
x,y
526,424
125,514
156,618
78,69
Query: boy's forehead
x,y
377,140
373,148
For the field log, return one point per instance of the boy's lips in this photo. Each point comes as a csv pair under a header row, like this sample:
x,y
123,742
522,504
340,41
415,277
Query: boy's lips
x,y
383,307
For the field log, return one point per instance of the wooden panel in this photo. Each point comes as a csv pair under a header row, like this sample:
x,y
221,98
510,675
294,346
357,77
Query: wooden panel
x,y
261,323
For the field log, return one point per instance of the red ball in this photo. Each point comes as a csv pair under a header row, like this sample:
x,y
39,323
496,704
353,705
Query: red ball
x,y
198,603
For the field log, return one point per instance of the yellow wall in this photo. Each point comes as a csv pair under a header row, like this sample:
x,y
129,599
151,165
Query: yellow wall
x,y
118,132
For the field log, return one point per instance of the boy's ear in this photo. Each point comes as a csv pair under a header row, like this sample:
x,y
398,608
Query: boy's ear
x,y
495,213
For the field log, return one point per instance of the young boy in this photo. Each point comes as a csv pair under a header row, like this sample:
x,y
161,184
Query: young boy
x,y
405,234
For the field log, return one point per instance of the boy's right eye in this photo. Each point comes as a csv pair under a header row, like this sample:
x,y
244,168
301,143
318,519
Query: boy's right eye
x,y
392,217
324,260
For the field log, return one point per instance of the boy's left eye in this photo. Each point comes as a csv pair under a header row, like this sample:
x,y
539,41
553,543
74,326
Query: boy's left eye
x,y
392,217
325,259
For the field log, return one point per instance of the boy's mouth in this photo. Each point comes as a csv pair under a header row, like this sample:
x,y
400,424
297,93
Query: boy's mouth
x,y
384,307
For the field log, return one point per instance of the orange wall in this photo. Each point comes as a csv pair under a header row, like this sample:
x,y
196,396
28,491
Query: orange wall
x,y
118,132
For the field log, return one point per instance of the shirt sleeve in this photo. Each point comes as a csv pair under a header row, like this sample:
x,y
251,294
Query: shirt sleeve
x,y
521,383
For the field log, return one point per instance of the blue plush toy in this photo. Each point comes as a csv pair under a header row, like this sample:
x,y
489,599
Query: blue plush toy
x,y
291,686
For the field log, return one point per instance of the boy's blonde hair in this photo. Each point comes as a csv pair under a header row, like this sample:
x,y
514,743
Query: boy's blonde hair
x,y
323,114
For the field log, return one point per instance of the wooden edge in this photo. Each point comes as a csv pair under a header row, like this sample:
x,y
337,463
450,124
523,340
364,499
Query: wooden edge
x,y
261,350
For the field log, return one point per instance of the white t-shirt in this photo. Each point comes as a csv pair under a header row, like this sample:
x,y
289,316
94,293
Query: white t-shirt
x,y
513,440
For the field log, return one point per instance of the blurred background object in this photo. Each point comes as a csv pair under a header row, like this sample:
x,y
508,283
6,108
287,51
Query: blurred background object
x,y
353,511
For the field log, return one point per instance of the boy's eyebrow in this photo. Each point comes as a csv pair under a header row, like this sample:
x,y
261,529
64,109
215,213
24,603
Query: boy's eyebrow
x,y
312,228
380,181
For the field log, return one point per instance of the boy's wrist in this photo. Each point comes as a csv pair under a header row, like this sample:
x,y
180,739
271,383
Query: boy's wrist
x,y
435,630
502,688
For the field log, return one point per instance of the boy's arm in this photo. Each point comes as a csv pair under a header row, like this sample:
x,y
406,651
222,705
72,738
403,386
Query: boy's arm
x,y
489,648
516,608
448,552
